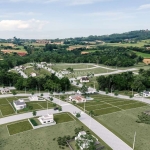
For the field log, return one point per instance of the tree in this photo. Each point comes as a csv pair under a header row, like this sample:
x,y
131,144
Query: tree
x,y
84,89
78,115
91,113
14,92
34,113
51,98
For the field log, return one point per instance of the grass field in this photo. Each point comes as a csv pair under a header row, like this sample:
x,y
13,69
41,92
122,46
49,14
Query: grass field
x,y
18,127
33,139
40,72
144,55
124,125
58,67
102,105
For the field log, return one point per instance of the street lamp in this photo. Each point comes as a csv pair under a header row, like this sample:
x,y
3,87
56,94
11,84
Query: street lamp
x,y
134,140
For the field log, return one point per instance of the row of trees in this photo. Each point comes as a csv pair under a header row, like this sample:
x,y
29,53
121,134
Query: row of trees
x,y
125,81
51,83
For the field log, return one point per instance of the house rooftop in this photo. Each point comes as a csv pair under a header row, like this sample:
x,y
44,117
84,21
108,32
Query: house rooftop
x,y
77,97
82,133
19,102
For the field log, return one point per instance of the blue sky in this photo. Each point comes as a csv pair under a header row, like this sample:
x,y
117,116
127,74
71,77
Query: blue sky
x,y
43,19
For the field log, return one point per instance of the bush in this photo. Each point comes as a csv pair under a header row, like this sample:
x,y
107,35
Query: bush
x,y
130,96
33,122
78,115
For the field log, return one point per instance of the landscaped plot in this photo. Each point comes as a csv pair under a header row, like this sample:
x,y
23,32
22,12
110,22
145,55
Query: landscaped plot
x,y
122,103
90,103
106,111
3,101
64,117
19,127
6,109
94,107
132,106
11,99
44,104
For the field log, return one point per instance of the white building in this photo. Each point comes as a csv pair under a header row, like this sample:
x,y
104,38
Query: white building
x,y
146,94
19,104
77,98
84,80
33,74
5,91
49,118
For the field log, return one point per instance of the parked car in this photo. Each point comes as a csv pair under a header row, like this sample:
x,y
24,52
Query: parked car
x,y
56,108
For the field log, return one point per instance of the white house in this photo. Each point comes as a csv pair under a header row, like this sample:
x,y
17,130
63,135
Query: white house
x,y
5,91
33,74
65,72
19,104
77,98
146,94
49,118
84,80
33,98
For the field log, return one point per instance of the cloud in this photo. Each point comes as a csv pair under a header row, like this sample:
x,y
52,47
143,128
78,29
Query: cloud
x,y
22,25
146,6
68,2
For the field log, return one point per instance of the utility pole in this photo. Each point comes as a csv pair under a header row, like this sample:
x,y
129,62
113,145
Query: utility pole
x,y
134,140
47,106
84,106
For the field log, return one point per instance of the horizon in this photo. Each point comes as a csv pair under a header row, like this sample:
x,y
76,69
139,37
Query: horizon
x,y
51,19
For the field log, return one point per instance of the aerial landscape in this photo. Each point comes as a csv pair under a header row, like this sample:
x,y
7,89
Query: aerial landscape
x,y
74,75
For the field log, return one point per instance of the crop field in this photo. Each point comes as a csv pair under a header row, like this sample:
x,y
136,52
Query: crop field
x,y
33,139
40,72
144,55
6,107
102,105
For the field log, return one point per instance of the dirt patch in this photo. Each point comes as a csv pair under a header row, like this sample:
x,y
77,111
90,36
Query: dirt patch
x,y
146,61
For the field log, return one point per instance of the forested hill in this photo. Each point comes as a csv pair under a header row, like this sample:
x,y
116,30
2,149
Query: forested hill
x,y
132,35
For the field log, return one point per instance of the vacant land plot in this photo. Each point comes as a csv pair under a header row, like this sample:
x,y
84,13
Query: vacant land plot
x,y
63,117
18,127
124,125
58,67
40,72
105,104
33,139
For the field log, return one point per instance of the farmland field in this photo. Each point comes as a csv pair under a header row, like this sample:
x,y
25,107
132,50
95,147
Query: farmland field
x,y
144,55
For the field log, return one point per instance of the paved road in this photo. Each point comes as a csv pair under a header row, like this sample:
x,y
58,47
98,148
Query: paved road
x,y
108,137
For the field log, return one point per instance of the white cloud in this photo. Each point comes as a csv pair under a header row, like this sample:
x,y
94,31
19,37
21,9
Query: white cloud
x,y
22,25
69,2
146,6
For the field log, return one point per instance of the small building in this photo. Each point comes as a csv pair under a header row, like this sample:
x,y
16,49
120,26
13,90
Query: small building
x,y
84,79
33,74
146,94
77,98
65,72
19,104
49,118
33,98
5,91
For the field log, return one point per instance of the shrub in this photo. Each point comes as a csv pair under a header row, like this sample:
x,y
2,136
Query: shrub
x,y
33,122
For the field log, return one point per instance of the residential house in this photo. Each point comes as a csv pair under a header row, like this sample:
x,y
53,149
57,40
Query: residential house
x,y
84,79
146,93
77,98
49,118
19,104
5,91
33,74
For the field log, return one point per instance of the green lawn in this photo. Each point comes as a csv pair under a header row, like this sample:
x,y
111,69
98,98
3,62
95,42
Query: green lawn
x,y
33,139
64,117
144,55
123,124
44,104
6,109
40,72
19,127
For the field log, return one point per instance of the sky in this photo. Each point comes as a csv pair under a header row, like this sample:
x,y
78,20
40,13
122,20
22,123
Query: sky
x,y
49,19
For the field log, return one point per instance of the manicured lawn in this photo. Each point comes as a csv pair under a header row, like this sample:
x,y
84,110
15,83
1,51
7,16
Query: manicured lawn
x,y
3,101
133,106
44,104
19,127
64,117
124,125
106,111
6,109
101,106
